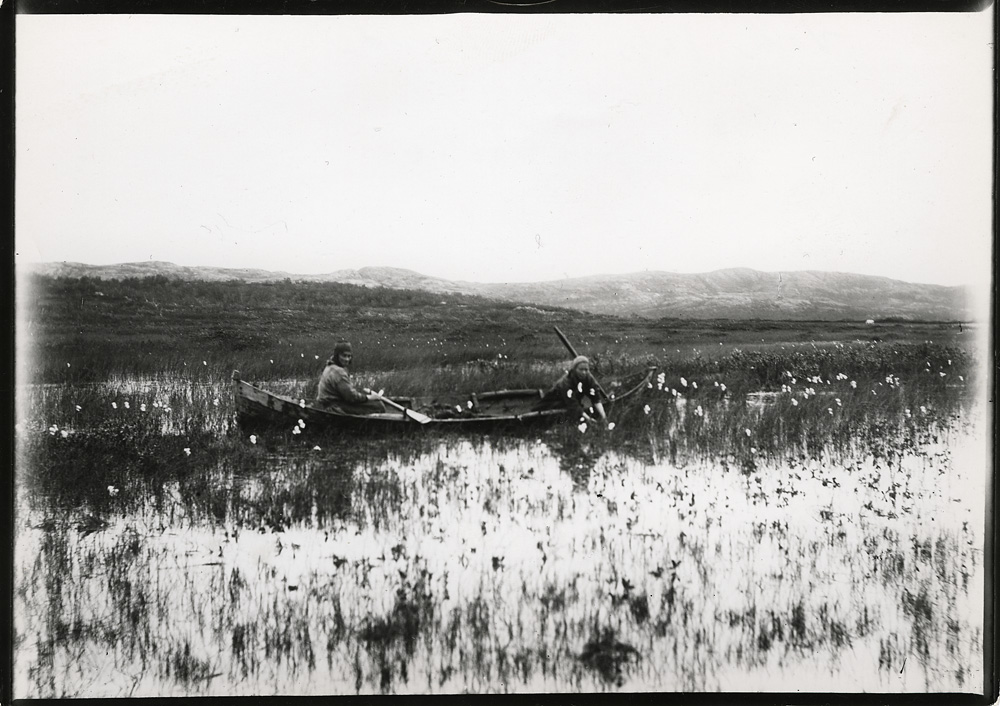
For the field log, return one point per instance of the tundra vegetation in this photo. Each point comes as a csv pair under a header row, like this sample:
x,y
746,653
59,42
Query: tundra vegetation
x,y
786,507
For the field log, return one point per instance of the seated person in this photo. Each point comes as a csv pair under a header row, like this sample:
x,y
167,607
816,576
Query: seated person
x,y
335,391
577,389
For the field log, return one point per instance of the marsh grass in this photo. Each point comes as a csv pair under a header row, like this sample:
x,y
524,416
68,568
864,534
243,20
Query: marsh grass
x,y
606,655
85,330
162,551
482,597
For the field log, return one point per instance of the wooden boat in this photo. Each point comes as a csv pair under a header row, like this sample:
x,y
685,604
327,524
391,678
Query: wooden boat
x,y
257,408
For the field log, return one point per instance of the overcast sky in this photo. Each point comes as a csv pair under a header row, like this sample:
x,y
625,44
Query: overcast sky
x,y
509,148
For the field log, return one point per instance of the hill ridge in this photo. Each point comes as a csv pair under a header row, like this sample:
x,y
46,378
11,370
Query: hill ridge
x,y
729,293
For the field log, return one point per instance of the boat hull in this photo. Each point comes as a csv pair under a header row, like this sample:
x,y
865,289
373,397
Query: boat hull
x,y
258,408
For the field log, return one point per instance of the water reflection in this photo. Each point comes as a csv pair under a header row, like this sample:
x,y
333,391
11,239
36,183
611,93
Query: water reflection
x,y
542,563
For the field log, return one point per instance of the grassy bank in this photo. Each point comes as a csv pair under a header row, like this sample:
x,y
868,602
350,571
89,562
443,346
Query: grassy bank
x,y
81,330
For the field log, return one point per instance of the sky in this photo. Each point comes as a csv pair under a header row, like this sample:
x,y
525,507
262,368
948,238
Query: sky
x,y
504,148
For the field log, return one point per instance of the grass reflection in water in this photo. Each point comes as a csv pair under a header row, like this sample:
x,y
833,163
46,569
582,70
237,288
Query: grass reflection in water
x,y
163,554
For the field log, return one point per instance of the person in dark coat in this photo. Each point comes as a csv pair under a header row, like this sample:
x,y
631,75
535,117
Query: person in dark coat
x,y
337,393
577,389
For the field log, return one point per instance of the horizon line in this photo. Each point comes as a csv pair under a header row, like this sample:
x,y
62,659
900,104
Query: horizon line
x,y
292,275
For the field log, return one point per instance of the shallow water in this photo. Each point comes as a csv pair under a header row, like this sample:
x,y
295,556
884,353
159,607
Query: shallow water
x,y
450,564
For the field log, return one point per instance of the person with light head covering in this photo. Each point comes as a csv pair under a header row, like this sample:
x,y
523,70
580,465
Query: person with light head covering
x,y
337,393
576,389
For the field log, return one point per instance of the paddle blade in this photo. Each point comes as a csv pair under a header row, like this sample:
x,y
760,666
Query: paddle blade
x,y
417,416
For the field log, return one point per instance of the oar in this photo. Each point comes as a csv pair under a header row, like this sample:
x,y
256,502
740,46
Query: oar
x,y
572,352
412,414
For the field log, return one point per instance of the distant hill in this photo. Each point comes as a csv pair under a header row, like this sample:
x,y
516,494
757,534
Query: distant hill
x,y
749,294
724,294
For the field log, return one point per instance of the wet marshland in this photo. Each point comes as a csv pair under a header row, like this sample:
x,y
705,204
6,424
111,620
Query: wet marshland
x,y
824,537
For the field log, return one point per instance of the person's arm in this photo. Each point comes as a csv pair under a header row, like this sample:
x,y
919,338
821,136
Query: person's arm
x,y
592,390
347,392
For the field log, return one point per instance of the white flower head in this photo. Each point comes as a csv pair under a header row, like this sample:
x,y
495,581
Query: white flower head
x,y
112,490
646,409
253,438
187,451
684,382
142,407
302,423
747,432
114,405
215,402
78,408
611,425
316,448
582,427
795,403
569,393
126,405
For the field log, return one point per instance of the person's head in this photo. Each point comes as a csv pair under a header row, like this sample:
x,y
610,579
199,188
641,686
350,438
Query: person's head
x,y
342,354
580,365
